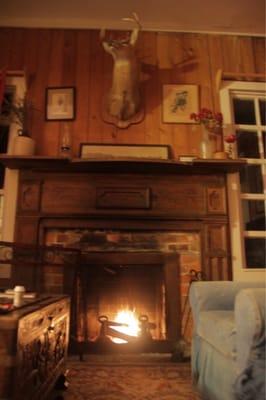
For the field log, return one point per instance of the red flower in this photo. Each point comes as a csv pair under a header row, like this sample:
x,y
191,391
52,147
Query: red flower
x,y
219,117
230,138
193,116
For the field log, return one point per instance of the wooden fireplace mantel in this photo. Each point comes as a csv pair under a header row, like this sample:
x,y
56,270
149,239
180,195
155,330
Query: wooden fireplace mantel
x,y
61,164
126,194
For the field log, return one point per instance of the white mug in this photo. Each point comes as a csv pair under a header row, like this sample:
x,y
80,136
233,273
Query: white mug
x,y
18,295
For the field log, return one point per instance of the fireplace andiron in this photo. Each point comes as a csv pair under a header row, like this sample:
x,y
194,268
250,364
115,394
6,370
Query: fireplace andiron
x,y
106,330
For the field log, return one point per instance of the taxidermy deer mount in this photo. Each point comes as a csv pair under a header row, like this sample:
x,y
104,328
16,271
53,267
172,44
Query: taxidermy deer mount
x,y
123,100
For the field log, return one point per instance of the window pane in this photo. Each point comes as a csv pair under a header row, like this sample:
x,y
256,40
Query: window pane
x,y
247,144
255,252
262,112
254,215
244,111
264,143
251,179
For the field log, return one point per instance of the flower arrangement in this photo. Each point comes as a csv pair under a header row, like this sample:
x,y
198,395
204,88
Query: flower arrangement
x,y
230,139
213,124
17,111
211,120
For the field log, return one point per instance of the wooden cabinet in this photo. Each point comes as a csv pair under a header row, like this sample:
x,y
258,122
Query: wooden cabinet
x,y
33,348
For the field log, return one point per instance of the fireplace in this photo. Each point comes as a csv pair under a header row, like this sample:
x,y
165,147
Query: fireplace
x,y
142,286
135,271
140,224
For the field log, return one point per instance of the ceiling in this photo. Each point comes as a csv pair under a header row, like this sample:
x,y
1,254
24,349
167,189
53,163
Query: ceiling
x,y
245,17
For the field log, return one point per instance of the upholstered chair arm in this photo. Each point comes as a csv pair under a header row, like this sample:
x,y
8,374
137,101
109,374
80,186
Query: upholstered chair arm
x,y
216,295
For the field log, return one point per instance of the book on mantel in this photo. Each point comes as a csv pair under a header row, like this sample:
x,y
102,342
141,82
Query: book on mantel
x,y
187,157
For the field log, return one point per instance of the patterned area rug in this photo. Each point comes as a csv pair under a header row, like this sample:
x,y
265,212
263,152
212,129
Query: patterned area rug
x,y
129,378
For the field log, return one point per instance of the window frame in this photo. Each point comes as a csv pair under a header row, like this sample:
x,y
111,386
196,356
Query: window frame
x,y
9,192
228,91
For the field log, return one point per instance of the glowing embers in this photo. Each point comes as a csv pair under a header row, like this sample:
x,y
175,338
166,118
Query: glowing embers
x,y
125,328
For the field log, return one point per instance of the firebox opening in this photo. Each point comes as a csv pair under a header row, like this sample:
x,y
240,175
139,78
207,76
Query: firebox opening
x,y
124,303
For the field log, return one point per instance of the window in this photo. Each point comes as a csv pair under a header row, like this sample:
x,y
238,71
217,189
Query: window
x,y
243,106
4,130
15,88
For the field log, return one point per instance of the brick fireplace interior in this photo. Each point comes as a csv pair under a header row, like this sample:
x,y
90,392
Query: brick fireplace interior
x,y
140,233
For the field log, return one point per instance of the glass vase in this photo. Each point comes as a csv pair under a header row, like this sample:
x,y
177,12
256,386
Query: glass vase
x,y
205,144
65,141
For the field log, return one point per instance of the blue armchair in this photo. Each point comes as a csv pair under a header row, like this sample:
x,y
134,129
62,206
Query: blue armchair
x,y
228,346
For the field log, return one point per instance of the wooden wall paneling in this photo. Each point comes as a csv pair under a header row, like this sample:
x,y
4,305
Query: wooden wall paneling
x,y
202,75
237,54
40,83
178,48
30,67
51,130
17,47
164,77
83,77
69,63
216,63
72,57
229,50
5,47
164,58
187,136
96,89
259,54
151,89
146,45
69,57
247,62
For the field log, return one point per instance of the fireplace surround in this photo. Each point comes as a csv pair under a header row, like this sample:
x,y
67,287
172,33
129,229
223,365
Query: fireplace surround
x,y
142,201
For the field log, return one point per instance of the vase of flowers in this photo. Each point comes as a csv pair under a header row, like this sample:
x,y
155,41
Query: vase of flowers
x,y
18,112
230,145
23,145
211,126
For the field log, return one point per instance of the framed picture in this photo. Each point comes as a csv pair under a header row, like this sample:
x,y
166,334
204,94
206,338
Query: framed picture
x,y
179,101
60,103
108,151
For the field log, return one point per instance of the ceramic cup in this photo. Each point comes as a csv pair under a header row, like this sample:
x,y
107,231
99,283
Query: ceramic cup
x,y
19,292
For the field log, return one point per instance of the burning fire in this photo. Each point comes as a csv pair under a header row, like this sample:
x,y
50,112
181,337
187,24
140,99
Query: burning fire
x,y
131,325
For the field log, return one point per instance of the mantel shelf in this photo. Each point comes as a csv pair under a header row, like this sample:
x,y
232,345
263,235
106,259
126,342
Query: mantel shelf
x,y
120,165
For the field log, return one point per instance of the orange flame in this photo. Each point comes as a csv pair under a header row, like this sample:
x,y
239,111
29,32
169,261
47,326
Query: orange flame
x,y
129,318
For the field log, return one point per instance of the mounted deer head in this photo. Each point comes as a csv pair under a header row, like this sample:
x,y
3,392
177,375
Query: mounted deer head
x,y
123,100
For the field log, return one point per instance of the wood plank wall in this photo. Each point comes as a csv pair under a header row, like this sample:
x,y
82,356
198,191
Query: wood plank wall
x,y
61,57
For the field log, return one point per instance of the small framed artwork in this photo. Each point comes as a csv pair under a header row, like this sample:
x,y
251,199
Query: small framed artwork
x,y
60,103
179,101
109,151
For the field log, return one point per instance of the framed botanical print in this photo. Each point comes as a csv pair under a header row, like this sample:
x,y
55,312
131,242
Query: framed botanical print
x,y
60,103
179,101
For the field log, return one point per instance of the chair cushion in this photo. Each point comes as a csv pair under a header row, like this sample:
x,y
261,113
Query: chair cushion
x,y
218,329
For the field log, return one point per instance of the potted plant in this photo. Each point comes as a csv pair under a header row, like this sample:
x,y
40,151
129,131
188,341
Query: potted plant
x,y
18,112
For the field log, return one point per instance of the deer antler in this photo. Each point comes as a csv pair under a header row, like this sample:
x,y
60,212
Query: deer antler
x,y
135,32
